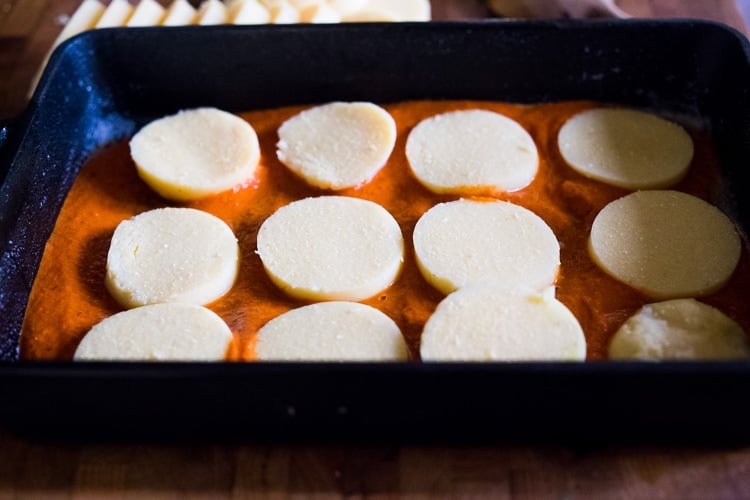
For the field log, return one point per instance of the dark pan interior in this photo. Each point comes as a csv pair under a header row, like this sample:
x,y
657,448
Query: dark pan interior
x,y
101,86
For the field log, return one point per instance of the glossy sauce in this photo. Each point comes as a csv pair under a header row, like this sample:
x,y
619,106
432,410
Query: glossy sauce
x,y
69,297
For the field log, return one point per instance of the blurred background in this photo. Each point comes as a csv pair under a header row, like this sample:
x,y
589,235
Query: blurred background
x,y
30,28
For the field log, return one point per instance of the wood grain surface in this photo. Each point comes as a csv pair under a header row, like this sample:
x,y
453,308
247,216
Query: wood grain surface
x,y
48,470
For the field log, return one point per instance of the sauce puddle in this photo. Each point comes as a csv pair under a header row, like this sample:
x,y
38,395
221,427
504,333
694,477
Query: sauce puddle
x,y
69,297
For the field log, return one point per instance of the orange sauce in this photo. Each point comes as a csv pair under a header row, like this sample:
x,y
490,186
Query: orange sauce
x,y
69,296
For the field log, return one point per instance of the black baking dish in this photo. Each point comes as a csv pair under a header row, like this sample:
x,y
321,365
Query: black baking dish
x,y
103,85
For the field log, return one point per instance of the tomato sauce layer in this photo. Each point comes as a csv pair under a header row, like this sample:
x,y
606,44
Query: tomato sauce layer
x,y
69,296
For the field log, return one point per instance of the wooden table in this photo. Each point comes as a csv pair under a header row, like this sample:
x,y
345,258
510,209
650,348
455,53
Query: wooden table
x,y
44,470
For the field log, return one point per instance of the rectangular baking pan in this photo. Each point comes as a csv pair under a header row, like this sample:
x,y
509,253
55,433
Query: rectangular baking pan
x,y
103,85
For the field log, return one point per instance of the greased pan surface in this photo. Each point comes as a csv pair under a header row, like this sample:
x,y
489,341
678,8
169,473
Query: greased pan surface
x,y
103,85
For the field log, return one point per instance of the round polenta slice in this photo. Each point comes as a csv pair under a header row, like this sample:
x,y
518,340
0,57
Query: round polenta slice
x,y
626,148
683,329
331,331
331,248
195,153
171,255
158,332
466,242
487,323
468,152
337,145
667,244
